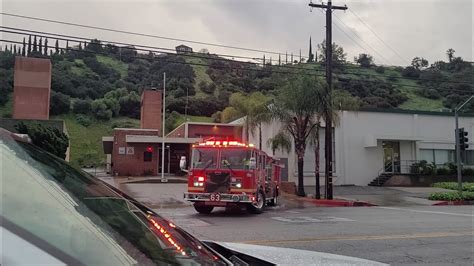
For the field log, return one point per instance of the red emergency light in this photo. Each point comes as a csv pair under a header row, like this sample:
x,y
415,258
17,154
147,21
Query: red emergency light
x,y
218,143
149,149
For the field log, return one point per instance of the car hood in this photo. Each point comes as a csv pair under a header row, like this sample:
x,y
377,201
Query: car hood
x,y
289,256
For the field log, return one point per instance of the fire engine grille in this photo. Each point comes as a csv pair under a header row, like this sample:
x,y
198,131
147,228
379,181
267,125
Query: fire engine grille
x,y
217,182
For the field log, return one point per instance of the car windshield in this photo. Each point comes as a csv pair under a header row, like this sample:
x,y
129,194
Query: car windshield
x,y
82,218
204,158
235,158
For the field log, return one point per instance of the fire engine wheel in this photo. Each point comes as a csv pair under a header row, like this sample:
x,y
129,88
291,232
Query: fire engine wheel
x,y
258,205
274,201
203,209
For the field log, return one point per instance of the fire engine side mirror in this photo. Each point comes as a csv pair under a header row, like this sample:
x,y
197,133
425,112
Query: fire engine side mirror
x,y
252,163
182,164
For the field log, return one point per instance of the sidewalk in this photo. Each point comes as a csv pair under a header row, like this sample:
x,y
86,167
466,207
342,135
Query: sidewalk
x,y
384,196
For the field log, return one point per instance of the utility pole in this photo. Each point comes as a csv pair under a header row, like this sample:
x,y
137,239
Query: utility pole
x,y
328,116
163,178
458,142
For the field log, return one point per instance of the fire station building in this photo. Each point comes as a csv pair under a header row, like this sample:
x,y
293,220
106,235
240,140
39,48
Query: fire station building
x,y
138,151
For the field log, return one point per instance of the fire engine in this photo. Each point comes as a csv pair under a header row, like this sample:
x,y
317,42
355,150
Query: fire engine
x,y
231,173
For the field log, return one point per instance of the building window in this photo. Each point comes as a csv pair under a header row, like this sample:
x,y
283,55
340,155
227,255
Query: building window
x,y
147,156
438,157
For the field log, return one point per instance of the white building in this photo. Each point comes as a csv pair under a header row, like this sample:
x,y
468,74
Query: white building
x,y
370,142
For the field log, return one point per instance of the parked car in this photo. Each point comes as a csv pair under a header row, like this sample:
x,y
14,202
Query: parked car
x,y
54,214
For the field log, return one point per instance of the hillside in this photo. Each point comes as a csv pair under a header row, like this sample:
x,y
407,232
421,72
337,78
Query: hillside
x,y
96,87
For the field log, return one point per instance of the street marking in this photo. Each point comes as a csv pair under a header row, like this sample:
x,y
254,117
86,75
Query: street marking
x,y
365,238
432,212
292,211
306,219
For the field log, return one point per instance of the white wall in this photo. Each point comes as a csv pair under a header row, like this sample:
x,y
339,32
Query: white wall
x,y
358,142
358,130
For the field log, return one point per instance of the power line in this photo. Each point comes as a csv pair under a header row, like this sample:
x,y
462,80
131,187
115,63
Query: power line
x,y
250,69
368,45
378,37
79,39
138,34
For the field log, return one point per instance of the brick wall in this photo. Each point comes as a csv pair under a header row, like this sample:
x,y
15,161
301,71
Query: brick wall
x,y
196,131
151,106
32,88
133,164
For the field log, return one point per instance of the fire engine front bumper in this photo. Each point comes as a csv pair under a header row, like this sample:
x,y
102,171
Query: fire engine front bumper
x,y
218,197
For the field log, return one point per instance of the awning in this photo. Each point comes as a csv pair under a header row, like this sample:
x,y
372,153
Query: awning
x,y
371,140
156,139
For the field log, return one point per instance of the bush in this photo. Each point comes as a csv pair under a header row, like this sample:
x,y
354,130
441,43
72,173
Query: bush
x,y
49,139
451,196
80,106
100,110
380,69
466,186
83,120
423,167
468,172
443,171
130,105
60,103
392,77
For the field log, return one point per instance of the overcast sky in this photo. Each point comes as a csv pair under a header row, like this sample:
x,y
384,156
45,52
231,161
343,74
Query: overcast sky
x,y
425,28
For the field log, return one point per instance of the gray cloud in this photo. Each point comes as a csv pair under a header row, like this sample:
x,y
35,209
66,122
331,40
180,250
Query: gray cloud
x,y
413,28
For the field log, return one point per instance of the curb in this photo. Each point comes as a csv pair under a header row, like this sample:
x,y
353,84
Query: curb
x,y
331,203
454,203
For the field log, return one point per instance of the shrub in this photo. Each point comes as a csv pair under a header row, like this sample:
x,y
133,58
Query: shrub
x,y
60,103
468,172
83,120
466,186
451,196
423,167
80,106
100,110
130,105
48,138
380,69
392,77
443,171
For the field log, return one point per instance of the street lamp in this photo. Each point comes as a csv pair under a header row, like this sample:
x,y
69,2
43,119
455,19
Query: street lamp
x,y
458,148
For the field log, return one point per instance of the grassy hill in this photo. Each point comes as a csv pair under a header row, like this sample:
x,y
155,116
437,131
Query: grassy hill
x,y
109,84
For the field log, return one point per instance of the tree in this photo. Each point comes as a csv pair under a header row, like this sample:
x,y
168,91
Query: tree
x,y
80,106
29,44
310,55
40,45
35,45
419,63
296,107
100,110
364,60
60,103
23,49
338,54
450,52
56,47
49,139
45,47
253,109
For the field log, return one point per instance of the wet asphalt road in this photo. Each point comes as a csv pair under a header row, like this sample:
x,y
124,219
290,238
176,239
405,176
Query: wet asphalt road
x,y
411,235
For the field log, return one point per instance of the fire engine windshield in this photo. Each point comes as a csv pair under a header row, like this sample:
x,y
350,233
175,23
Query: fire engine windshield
x,y
204,158
235,158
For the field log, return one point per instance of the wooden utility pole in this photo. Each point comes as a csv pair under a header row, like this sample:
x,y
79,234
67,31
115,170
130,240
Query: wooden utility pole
x,y
328,116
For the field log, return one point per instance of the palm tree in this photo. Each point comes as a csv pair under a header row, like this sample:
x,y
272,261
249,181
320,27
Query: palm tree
x,y
296,107
254,110
316,146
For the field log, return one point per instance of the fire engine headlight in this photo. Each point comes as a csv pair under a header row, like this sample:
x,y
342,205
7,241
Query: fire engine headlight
x,y
238,185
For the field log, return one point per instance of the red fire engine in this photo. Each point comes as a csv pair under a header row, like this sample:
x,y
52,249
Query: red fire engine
x,y
231,173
